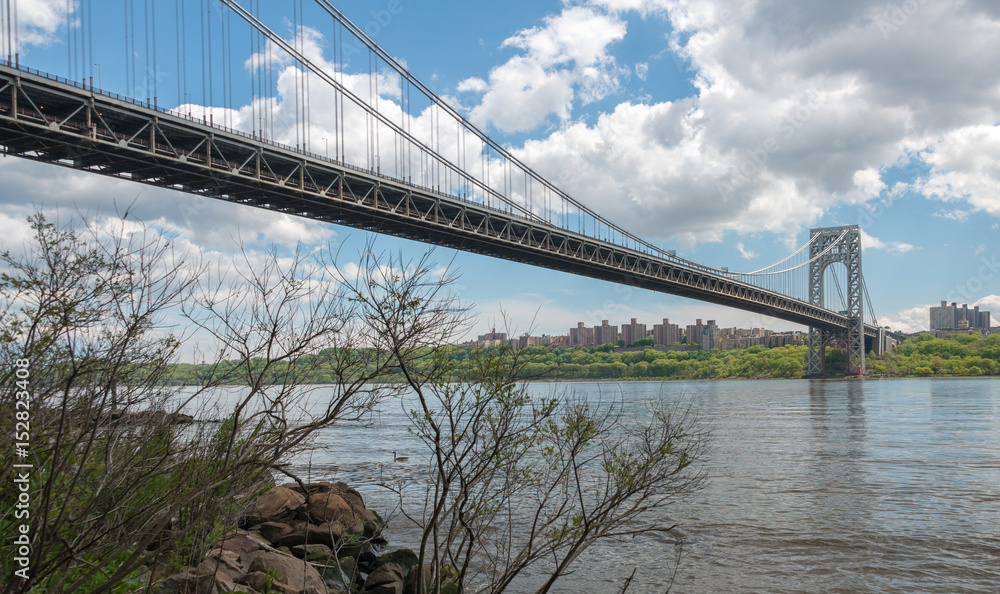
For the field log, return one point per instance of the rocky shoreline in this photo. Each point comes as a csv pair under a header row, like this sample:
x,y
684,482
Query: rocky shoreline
x,y
297,538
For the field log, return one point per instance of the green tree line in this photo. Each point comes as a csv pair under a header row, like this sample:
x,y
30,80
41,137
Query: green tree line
x,y
924,355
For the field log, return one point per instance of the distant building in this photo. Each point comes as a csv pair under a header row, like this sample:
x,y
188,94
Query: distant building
x,y
780,339
710,336
527,340
952,317
604,334
493,338
581,336
694,332
666,334
633,332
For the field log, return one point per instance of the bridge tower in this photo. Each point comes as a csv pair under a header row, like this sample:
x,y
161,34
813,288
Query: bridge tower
x,y
830,245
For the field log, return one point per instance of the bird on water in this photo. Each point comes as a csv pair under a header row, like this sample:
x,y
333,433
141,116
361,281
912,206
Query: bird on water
x,y
396,458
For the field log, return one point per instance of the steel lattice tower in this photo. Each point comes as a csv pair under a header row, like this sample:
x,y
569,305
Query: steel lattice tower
x,y
830,245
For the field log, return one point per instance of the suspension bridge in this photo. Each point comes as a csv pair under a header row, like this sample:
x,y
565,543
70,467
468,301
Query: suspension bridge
x,y
340,131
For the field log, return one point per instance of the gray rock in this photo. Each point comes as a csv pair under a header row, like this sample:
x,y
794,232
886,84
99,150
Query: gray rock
x,y
312,552
404,558
387,579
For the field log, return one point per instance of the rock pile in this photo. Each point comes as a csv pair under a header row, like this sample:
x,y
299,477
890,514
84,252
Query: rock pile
x,y
300,539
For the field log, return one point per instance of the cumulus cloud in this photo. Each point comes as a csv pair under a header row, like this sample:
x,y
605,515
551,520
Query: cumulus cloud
x,y
915,319
869,242
991,303
564,60
800,108
38,20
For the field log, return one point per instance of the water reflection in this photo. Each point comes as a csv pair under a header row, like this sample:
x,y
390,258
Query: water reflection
x,y
844,485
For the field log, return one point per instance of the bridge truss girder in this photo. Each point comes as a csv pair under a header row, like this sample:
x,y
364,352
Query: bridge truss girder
x,y
63,123
832,245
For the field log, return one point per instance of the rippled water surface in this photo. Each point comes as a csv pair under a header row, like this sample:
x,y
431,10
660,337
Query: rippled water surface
x,y
814,486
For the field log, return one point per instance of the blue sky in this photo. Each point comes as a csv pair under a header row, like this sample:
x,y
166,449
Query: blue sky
x,y
723,129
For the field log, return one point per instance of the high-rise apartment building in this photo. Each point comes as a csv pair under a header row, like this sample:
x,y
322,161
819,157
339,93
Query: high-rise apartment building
x,y
581,336
694,332
633,332
710,336
952,317
666,334
605,334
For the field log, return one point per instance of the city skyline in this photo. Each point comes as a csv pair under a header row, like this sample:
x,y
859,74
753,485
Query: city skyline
x,y
734,143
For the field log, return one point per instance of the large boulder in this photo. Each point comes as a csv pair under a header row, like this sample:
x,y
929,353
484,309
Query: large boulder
x,y
238,542
188,581
312,552
275,505
327,533
293,572
274,531
221,564
297,536
351,496
328,507
404,558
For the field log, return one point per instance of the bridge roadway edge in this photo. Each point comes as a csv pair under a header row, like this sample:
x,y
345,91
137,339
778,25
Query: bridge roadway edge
x,y
356,206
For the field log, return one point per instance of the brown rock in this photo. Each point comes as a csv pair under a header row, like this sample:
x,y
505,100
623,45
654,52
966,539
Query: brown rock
x,y
328,507
274,505
238,542
287,569
327,533
226,586
351,496
274,531
187,582
297,536
310,488
219,563
255,579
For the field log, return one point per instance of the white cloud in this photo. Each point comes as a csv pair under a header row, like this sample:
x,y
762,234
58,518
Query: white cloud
x,y
473,85
991,303
744,252
915,319
642,70
869,242
965,166
40,19
800,108
953,215
564,60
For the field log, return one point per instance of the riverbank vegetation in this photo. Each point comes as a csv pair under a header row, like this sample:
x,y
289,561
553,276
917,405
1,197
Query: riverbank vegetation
x,y
122,476
920,356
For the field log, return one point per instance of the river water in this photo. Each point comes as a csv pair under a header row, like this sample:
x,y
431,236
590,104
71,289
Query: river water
x,y
813,486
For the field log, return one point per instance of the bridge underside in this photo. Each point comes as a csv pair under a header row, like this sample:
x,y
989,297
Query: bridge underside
x,y
61,123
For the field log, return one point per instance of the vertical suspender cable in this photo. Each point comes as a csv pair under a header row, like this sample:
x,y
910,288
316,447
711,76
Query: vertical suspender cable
x,y
155,74
204,56
17,38
177,34
210,58
69,39
184,53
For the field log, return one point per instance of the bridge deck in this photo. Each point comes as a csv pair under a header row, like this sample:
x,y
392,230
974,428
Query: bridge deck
x,y
63,123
